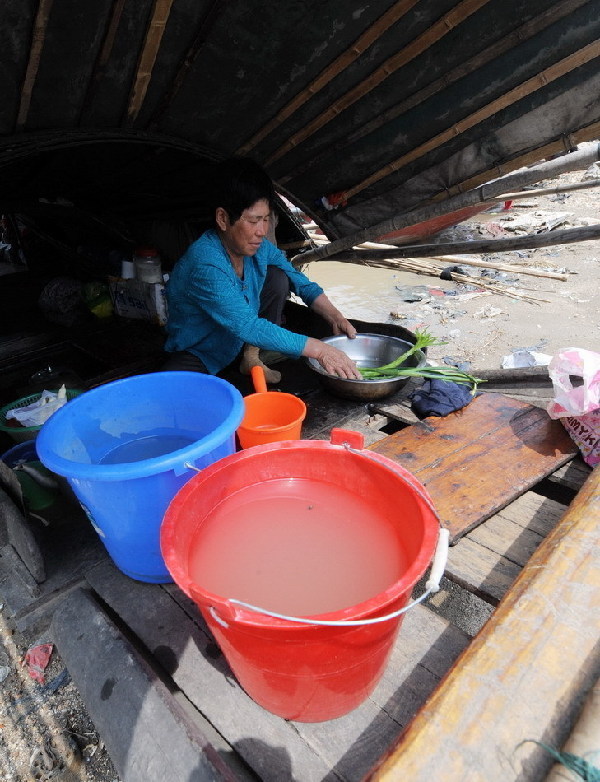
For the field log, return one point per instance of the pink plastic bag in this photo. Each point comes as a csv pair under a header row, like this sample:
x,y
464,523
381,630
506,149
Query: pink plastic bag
x,y
578,407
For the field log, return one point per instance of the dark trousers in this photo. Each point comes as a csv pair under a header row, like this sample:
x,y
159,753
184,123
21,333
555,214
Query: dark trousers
x,y
273,296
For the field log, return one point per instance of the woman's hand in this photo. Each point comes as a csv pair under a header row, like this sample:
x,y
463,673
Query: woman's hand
x,y
339,325
333,361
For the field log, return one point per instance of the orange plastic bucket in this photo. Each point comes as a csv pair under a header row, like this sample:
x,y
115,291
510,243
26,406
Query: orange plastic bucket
x,y
318,665
270,416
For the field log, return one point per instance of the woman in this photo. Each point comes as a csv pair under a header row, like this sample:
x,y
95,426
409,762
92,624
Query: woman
x,y
229,288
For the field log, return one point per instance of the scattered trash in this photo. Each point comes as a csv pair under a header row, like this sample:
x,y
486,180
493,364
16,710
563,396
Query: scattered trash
x,y
593,172
43,761
577,405
37,659
38,412
525,358
4,672
414,293
494,274
446,273
464,366
486,313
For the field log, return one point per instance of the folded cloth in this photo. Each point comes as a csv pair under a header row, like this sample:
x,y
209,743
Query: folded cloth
x,y
439,397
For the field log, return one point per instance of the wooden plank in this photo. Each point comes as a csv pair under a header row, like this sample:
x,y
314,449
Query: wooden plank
x,y
489,558
425,649
170,626
524,674
187,651
572,475
148,732
477,460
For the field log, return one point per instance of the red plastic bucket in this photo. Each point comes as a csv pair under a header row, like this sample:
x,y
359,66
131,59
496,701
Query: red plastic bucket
x,y
299,671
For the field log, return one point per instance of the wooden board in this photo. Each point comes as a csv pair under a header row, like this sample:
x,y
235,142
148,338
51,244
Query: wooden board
x,y
490,557
478,459
171,628
525,674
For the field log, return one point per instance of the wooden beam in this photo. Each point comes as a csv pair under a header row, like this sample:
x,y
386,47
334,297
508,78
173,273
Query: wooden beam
x,y
434,251
528,30
206,24
33,64
103,57
434,33
367,39
154,34
524,675
518,180
567,188
564,66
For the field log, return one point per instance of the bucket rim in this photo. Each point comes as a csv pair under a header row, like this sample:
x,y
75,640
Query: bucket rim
x,y
174,460
300,417
231,612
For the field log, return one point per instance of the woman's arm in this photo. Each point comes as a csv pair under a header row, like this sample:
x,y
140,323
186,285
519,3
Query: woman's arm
x,y
323,307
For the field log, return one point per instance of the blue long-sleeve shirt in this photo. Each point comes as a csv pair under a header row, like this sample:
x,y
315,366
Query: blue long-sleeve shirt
x,y
212,312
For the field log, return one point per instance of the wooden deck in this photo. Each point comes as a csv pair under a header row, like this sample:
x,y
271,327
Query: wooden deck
x,y
449,706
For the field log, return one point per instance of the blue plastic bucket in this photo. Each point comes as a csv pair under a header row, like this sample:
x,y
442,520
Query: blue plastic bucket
x,y
123,448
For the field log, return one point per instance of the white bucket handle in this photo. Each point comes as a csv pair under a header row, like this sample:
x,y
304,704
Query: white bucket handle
x,y
433,585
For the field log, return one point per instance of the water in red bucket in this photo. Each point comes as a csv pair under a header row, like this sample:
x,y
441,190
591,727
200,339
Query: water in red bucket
x,y
273,545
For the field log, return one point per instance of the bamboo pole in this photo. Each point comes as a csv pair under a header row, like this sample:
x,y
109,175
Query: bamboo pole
x,y
408,53
520,179
147,60
371,35
501,267
457,260
548,190
540,22
106,49
38,38
555,71
548,239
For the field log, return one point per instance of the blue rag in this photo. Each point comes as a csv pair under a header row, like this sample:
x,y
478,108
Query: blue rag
x,y
439,397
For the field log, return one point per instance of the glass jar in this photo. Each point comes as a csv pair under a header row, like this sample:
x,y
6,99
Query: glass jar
x,y
146,261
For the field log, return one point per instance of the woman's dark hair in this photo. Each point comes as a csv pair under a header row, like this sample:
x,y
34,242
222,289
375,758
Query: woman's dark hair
x,y
237,184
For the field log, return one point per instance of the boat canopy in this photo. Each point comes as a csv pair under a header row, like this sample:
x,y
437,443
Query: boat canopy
x,y
358,110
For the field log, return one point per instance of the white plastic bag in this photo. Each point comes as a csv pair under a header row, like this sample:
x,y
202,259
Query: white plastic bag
x,y
38,412
578,406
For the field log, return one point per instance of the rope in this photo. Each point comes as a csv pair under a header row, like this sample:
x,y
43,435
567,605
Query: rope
x,y
571,762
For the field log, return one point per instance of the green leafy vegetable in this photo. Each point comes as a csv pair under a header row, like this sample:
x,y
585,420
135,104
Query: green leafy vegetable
x,y
423,339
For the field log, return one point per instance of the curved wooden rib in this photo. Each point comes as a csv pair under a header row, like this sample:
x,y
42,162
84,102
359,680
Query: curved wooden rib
x,y
154,34
35,53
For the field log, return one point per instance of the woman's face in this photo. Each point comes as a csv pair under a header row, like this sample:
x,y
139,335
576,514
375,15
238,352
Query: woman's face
x,y
245,236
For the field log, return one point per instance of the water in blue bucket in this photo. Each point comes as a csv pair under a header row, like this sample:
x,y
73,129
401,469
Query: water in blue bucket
x,y
125,447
